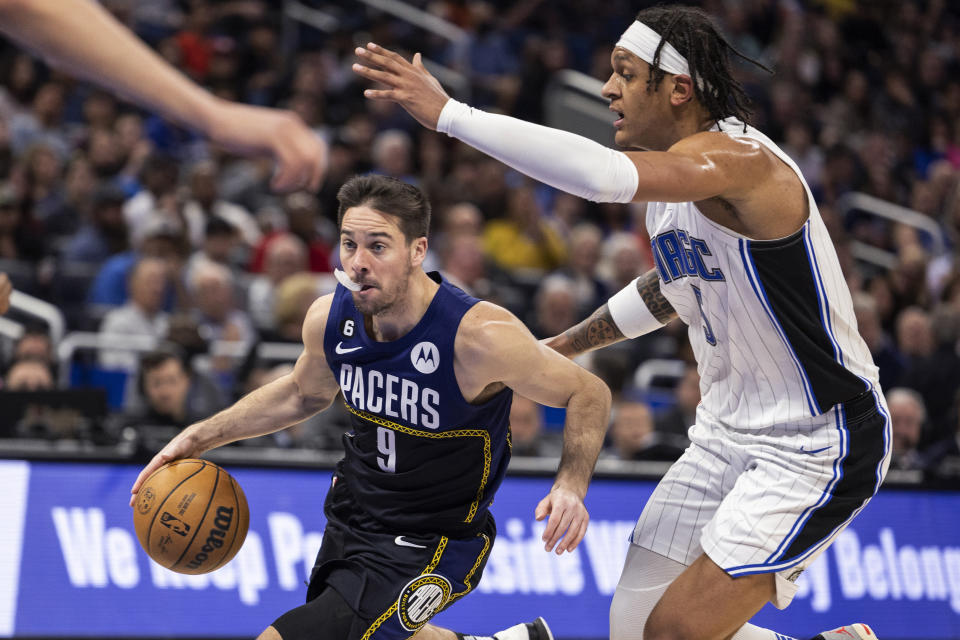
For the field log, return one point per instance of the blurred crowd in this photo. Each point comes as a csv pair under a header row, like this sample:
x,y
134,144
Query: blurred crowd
x,y
133,227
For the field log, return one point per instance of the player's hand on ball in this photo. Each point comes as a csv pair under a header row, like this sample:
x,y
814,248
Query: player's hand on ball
x,y
184,445
568,519
408,83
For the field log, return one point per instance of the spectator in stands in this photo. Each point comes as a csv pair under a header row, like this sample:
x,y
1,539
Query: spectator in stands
x,y
173,395
294,297
19,238
304,220
943,456
205,204
589,291
527,435
932,366
464,265
212,288
35,343
915,334
633,437
393,155
622,260
219,246
908,415
105,234
677,419
302,212
160,240
79,190
141,315
43,122
459,218
158,178
29,374
284,256
884,352
523,241
555,307
43,186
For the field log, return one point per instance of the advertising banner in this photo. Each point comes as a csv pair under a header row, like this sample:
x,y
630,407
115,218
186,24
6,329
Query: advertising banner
x,y
70,563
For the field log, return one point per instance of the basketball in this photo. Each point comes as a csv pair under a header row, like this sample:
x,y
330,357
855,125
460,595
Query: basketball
x,y
191,516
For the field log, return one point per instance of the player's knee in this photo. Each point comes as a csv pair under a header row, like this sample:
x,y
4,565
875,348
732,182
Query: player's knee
x,y
662,626
270,633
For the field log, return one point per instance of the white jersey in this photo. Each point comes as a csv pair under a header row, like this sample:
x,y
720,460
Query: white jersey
x,y
771,322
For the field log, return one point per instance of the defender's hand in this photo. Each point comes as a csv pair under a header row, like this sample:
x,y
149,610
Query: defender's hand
x,y
568,519
299,153
409,84
183,445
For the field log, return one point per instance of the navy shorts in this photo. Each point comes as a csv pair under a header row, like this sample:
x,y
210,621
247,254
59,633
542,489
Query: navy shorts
x,y
394,582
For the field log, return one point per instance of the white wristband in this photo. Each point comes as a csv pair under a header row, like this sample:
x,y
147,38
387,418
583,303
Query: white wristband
x,y
561,159
630,313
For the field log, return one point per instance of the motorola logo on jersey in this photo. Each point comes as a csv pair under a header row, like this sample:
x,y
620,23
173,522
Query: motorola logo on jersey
x,y
680,255
425,357
390,395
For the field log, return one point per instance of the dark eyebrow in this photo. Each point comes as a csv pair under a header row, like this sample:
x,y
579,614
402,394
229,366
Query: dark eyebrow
x,y
374,234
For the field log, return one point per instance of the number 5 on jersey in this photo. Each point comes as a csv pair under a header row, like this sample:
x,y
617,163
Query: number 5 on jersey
x,y
387,445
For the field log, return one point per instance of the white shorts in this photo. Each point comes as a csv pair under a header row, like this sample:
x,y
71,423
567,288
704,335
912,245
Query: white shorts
x,y
768,501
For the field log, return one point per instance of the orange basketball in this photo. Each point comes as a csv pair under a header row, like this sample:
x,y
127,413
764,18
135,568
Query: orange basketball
x,y
191,516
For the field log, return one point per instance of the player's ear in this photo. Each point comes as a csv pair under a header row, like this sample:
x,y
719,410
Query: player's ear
x,y
418,251
682,90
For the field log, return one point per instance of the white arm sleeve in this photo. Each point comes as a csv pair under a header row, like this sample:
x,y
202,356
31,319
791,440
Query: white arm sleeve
x,y
558,158
630,313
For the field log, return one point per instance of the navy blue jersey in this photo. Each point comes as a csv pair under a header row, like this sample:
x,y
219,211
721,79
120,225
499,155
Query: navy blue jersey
x,y
420,458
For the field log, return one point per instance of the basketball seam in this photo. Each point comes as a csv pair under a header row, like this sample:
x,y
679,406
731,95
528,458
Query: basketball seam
x,y
167,497
206,510
236,501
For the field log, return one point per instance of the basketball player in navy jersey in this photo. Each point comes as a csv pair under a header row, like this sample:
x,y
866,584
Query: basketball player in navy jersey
x,y
427,374
792,436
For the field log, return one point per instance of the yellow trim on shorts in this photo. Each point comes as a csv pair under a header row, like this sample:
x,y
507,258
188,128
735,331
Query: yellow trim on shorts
x,y
393,608
458,433
476,565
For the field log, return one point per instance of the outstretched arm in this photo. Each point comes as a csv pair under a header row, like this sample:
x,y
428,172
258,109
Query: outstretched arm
x,y
496,347
82,39
642,308
700,167
310,388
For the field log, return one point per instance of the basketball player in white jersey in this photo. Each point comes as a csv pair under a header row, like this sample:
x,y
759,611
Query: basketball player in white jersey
x,y
792,435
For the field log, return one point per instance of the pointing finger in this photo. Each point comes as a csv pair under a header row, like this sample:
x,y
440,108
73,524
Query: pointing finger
x,y
392,55
381,57
374,74
381,94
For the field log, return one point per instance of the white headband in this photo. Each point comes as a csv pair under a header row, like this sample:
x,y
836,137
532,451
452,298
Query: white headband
x,y
642,41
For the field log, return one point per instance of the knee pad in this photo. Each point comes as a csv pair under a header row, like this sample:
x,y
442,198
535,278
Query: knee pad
x,y
646,576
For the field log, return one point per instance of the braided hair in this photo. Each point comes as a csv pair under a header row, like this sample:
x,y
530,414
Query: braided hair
x,y
692,32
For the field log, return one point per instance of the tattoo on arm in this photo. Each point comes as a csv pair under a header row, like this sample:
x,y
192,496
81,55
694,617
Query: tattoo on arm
x,y
649,287
596,331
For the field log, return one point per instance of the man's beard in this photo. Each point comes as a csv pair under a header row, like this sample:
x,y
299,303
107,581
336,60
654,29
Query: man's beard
x,y
387,303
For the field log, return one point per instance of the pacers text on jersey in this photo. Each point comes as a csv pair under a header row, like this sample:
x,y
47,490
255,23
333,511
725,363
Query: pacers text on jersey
x,y
389,395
